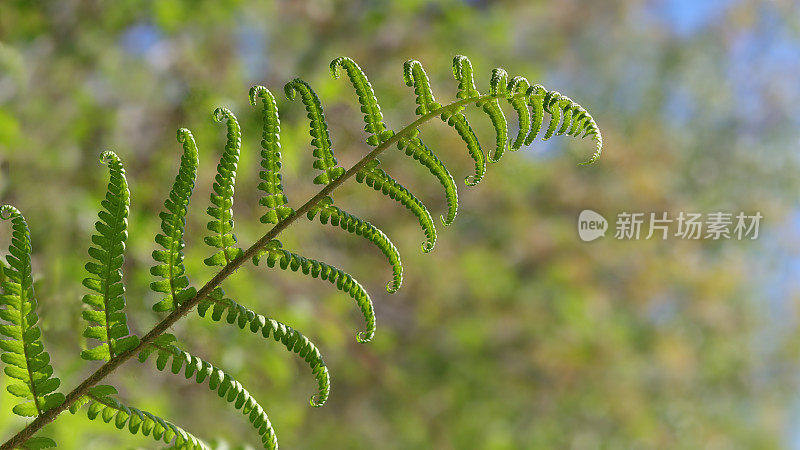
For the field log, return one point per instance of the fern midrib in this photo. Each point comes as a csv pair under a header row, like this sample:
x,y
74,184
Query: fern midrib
x,y
221,235
224,248
172,253
120,206
184,308
229,183
23,325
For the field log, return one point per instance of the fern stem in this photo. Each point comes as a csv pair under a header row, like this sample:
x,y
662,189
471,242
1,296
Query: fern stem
x,y
185,307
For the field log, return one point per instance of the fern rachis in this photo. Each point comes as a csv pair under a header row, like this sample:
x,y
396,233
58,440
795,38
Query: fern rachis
x,y
181,297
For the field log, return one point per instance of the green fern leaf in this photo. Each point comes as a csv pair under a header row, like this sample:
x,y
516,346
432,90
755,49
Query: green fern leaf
x,y
23,352
462,71
551,98
459,122
171,269
519,85
415,148
536,95
320,138
101,404
221,211
234,313
274,198
106,318
414,75
343,281
216,379
328,213
491,106
373,118
376,178
566,105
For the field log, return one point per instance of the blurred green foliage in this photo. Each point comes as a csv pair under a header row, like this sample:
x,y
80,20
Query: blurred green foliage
x,y
513,333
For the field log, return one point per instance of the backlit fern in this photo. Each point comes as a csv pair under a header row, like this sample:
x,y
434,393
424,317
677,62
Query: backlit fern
x,y
28,364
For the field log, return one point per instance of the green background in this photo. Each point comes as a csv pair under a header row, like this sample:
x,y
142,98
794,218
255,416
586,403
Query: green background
x,y
513,333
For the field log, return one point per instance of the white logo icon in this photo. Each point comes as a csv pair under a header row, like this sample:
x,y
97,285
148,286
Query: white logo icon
x,y
591,225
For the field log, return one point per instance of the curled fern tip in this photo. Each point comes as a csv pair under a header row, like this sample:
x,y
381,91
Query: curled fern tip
x,y
8,211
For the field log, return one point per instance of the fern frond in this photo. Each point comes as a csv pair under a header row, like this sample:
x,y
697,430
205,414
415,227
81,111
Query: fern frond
x,y
415,148
491,106
414,75
101,404
221,211
23,352
343,281
328,213
376,178
519,85
274,198
216,379
293,340
320,138
171,269
107,321
373,117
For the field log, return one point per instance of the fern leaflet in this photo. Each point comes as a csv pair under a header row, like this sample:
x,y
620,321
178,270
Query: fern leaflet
x,y
274,198
551,99
328,213
343,281
106,318
23,352
221,211
491,106
217,380
293,340
376,178
321,140
415,148
519,85
174,282
101,404
373,117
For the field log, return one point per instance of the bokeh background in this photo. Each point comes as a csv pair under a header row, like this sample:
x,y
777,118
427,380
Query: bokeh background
x,y
513,333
